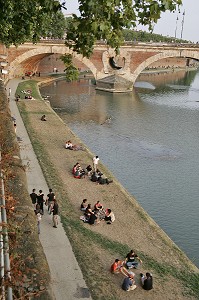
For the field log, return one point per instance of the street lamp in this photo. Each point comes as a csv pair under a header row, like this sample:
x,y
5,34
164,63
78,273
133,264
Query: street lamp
x,y
176,27
182,23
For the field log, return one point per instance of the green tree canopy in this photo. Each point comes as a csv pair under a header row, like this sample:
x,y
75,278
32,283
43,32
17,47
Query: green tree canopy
x,y
105,20
27,20
54,26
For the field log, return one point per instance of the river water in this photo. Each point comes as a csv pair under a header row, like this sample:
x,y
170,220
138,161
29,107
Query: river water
x,y
149,139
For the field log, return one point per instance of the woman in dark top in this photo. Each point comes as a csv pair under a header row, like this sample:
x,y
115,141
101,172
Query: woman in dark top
x,y
83,205
131,260
147,281
92,219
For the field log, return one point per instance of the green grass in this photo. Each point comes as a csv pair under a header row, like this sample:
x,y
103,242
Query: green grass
x,y
28,85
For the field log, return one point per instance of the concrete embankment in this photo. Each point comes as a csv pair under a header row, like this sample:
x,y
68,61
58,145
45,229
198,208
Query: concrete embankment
x,y
97,246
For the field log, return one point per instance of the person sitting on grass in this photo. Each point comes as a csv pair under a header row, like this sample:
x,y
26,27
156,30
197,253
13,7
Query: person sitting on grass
x,y
89,170
83,205
131,260
78,171
118,267
129,283
75,167
103,180
98,206
109,216
88,212
93,219
96,175
147,281
69,145
43,118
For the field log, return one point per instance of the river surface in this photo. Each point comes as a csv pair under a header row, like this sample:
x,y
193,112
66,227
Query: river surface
x,y
149,139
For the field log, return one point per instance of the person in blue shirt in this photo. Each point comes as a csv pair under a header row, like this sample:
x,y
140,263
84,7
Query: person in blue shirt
x,y
129,283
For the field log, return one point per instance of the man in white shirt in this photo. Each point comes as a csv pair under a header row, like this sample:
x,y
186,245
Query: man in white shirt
x,y
95,162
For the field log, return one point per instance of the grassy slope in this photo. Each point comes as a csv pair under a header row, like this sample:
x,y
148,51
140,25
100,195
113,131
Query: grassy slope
x,y
89,246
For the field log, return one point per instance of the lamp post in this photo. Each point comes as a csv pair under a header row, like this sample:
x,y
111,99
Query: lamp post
x,y
182,24
176,27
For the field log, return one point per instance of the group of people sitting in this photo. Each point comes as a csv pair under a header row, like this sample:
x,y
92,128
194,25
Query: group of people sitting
x,y
27,94
28,97
97,214
131,261
98,177
95,176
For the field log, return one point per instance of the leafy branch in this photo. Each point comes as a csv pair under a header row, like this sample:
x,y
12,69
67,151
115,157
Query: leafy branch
x,y
71,71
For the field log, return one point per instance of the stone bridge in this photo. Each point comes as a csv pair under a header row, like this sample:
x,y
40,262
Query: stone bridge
x,y
104,63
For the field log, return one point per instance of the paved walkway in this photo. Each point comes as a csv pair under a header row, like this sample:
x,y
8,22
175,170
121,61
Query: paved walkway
x,y
66,277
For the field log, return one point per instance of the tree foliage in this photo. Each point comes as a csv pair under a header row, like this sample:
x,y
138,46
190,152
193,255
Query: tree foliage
x,y
25,20
54,26
105,20
71,71
22,20
143,36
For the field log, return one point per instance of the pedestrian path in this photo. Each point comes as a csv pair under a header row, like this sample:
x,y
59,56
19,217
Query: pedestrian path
x,y
66,277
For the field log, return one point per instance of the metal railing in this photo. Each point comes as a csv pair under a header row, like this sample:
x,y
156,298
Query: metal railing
x,y
6,291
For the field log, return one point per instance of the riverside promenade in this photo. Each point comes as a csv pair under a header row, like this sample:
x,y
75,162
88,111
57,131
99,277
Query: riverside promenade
x,y
96,247
66,277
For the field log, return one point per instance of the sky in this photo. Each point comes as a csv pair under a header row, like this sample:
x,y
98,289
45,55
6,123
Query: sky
x,y
167,24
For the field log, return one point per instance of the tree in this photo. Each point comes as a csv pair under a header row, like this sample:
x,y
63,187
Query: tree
x,y
71,71
54,26
105,20
22,21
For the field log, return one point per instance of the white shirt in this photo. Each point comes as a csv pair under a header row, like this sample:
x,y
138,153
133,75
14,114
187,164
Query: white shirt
x,y
95,160
69,145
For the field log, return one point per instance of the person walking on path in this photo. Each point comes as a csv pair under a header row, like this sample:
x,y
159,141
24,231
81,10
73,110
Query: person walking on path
x,y
49,200
15,126
9,92
95,162
40,200
55,209
39,217
33,197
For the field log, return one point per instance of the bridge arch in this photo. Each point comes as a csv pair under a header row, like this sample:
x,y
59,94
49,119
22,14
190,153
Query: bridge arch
x,y
166,54
41,51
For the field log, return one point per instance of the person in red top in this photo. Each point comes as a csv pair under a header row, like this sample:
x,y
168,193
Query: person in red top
x,y
117,267
98,206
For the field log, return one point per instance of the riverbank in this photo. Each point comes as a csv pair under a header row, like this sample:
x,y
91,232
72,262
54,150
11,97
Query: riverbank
x,y
167,70
133,228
